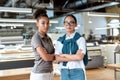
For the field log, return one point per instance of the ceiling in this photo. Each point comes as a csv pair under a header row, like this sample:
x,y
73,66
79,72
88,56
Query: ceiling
x,y
60,6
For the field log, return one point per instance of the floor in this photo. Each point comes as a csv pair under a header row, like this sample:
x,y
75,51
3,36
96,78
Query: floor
x,y
100,74
92,74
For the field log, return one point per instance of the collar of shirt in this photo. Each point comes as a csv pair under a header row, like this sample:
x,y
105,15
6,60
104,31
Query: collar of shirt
x,y
70,36
42,35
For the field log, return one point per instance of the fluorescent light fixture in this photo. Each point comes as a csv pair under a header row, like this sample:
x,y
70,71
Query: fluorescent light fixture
x,y
10,24
113,24
23,20
17,20
53,21
103,14
15,10
107,28
61,28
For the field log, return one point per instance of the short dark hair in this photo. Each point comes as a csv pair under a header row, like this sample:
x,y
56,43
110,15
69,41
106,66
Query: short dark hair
x,y
72,17
40,13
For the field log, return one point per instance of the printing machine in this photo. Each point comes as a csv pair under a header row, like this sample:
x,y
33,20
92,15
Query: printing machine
x,y
95,55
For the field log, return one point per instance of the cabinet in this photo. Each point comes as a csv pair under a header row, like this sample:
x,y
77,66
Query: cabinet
x,y
97,60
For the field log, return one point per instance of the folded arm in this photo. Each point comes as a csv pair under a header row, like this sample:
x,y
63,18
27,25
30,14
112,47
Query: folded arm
x,y
44,54
70,57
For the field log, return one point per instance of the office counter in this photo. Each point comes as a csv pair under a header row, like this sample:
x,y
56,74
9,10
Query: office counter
x,y
18,68
17,64
16,59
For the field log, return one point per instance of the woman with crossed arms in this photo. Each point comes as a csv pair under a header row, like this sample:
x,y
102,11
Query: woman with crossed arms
x,y
70,50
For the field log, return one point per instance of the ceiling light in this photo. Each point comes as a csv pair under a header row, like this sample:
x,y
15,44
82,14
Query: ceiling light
x,y
10,24
17,20
113,24
53,21
90,20
15,10
23,20
61,28
103,14
107,28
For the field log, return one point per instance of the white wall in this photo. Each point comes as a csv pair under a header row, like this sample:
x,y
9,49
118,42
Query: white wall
x,y
108,52
97,22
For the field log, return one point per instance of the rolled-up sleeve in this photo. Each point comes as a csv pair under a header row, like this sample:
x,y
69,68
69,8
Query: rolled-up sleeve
x,y
82,44
58,47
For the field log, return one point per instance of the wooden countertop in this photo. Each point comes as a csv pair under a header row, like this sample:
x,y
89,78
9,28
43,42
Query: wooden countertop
x,y
113,66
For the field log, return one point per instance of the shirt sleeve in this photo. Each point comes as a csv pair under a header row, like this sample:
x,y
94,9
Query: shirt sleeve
x,y
58,48
82,44
35,42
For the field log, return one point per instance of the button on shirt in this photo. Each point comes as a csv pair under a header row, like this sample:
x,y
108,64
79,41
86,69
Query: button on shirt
x,y
72,64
